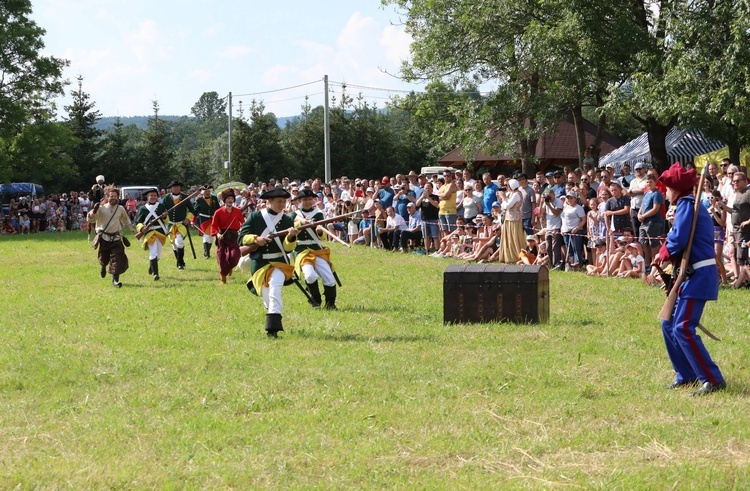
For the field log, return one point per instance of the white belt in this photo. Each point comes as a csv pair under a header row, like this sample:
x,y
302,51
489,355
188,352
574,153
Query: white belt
x,y
306,242
703,264
203,215
272,256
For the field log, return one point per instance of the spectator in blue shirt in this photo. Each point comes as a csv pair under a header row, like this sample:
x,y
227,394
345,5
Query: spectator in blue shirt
x,y
403,197
489,194
386,194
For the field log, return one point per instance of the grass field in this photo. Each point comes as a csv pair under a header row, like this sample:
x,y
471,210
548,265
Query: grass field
x,y
173,384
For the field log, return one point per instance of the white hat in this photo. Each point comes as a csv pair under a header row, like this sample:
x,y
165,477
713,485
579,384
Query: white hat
x,y
100,178
514,184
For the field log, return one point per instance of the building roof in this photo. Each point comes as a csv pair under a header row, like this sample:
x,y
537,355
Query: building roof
x,y
556,147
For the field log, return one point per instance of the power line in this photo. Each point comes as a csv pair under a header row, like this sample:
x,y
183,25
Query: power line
x,y
277,90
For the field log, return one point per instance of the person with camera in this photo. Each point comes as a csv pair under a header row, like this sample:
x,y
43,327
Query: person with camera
x,y
741,227
650,219
552,207
718,212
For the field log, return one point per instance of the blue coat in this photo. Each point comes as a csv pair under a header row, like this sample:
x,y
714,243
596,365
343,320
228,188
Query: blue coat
x,y
704,283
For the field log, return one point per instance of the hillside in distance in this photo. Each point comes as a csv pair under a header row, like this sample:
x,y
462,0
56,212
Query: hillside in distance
x,y
141,122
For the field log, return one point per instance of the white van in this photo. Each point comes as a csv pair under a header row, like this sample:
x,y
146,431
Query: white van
x,y
135,191
436,169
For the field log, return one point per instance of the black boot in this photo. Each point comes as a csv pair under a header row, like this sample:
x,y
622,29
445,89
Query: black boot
x,y
314,290
177,257
150,266
207,250
103,272
181,258
154,268
273,325
116,281
330,293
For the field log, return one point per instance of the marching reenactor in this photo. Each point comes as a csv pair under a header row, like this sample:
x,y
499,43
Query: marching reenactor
x,y
225,226
269,265
179,219
152,212
109,219
205,207
312,259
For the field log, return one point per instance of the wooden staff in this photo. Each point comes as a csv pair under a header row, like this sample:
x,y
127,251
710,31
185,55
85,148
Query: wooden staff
x,y
666,310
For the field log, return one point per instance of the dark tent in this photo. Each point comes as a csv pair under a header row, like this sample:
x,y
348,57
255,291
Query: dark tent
x,y
16,190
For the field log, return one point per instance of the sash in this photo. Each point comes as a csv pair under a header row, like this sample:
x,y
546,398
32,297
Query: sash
x,y
271,222
312,233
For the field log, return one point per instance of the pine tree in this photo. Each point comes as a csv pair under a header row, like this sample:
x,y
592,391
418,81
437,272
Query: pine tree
x,y
157,153
81,120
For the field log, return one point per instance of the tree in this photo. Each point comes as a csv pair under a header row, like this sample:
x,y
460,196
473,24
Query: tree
x,y
27,80
476,41
156,152
117,157
81,120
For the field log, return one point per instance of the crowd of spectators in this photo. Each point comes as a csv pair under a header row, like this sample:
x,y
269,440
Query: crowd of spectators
x,y
583,219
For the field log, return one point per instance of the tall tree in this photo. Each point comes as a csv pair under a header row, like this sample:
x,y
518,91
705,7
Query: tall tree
x,y
156,153
28,80
117,157
81,120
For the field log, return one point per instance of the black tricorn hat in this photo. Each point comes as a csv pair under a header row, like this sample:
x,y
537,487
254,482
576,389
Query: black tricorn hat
x,y
151,190
174,182
307,193
276,193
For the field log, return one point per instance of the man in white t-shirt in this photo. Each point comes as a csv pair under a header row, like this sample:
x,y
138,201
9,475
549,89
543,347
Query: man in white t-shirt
x,y
552,207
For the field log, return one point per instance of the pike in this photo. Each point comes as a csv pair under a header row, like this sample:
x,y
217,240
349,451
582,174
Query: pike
x,y
166,213
245,250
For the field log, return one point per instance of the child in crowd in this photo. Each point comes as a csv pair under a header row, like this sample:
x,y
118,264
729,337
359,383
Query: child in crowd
x,y
529,253
632,264
599,267
25,224
75,224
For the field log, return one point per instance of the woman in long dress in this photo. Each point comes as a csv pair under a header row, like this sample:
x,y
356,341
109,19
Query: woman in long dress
x,y
512,237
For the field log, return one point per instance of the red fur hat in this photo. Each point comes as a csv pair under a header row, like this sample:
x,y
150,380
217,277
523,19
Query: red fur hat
x,y
679,179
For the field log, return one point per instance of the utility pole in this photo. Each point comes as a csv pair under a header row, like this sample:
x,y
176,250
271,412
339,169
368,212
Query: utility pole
x,y
229,162
326,132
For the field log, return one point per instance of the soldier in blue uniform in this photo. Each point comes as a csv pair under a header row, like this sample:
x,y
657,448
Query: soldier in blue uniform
x,y
689,357
311,258
179,219
269,267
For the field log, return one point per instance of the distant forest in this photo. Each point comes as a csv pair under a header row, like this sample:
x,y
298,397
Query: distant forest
x,y
141,122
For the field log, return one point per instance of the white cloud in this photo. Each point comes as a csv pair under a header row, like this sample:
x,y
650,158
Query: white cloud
x,y
236,51
396,42
147,43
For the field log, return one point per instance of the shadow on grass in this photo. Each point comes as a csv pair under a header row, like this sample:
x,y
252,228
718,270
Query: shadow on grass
x,y
359,338
375,310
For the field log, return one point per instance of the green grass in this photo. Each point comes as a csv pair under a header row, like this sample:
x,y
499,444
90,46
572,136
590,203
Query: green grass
x,y
173,384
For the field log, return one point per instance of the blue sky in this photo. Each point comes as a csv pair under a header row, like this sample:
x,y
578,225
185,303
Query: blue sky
x,y
131,52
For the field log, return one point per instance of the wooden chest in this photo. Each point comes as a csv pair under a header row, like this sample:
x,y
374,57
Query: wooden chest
x,y
496,292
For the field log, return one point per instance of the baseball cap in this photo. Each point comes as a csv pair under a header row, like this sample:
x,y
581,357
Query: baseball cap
x,y
549,174
640,165
385,180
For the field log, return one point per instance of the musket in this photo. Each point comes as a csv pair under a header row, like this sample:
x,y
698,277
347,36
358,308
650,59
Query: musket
x,y
245,250
151,222
190,240
668,307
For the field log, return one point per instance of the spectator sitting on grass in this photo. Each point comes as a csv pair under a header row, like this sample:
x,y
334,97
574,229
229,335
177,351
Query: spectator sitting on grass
x,y
444,250
598,267
25,225
485,251
632,264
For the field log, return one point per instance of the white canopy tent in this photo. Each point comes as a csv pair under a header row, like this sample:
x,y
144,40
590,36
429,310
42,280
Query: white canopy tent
x,y
683,145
